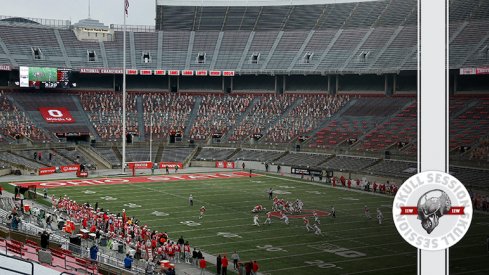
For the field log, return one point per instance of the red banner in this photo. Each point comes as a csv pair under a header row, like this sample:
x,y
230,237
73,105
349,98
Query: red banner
x,y
456,210
47,171
159,72
474,71
140,165
56,115
187,72
215,73
405,210
131,71
413,210
228,73
145,72
173,72
201,73
172,165
225,164
69,168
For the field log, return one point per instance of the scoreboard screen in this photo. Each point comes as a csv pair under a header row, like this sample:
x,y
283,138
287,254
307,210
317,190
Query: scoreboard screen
x,y
36,77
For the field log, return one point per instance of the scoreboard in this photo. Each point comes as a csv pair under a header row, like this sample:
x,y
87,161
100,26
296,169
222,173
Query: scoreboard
x,y
36,77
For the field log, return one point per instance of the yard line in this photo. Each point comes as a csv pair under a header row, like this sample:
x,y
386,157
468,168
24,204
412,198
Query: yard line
x,y
332,262
381,269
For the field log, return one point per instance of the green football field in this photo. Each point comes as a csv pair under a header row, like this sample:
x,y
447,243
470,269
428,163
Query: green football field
x,y
352,243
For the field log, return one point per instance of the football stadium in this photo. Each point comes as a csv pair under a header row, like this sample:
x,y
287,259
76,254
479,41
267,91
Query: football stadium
x,y
249,137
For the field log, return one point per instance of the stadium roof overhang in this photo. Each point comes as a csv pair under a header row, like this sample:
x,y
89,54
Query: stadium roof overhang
x,y
252,3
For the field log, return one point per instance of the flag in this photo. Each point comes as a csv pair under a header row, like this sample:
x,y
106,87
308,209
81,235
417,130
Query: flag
x,y
126,6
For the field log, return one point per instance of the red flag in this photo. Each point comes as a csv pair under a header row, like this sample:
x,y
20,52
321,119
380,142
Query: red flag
x,y
126,6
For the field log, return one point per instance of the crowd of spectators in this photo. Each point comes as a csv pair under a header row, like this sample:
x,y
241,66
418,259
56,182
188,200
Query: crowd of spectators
x,y
141,243
481,152
264,112
305,117
480,201
217,114
170,112
15,124
105,113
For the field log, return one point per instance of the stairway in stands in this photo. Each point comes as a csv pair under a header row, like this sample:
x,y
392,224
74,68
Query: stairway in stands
x,y
140,109
267,128
192,116
229,133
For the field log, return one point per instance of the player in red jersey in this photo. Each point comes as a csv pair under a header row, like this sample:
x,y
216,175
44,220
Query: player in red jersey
x,y
258,208
202,212
307,224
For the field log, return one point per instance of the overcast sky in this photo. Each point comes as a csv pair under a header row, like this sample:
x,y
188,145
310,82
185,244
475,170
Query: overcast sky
x,y
141,12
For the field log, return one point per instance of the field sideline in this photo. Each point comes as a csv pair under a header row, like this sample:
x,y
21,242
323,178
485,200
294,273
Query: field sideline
x,y
352,243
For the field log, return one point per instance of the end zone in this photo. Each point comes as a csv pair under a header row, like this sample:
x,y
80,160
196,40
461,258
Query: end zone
x,y
132,180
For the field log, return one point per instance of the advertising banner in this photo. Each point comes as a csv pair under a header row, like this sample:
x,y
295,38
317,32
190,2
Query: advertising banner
x,y
56,115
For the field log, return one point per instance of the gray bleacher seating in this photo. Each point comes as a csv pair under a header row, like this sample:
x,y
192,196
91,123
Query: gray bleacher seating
x,y
214,153
257,155
302,159
347,163
176,154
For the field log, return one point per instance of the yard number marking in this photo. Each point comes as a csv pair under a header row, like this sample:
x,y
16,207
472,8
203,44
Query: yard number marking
x,y
190,223
228,235
287,187
350,199
132,205
108,198
322,264
160,214
271,248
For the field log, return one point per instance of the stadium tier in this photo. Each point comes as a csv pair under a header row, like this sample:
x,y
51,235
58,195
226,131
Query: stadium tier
x,y
301,100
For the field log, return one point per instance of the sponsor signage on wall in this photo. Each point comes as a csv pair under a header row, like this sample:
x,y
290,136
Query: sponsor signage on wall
x,y
56,115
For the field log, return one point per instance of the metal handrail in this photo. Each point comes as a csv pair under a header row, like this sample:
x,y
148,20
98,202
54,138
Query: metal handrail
x,y
18,259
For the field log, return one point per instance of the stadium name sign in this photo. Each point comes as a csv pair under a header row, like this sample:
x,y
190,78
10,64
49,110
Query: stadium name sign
x,y
432,210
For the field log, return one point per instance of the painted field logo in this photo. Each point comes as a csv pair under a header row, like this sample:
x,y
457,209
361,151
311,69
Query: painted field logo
x,y
432,210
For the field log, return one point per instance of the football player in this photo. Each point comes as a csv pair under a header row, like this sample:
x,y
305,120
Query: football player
x,y
269,218
202,212
380,216
307,224
255,220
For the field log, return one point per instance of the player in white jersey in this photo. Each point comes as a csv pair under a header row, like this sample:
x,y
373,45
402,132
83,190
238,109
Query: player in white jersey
x,y
269,218
285,218
202,212
316,217
317,230
255,220
367,212
307,224
380,216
